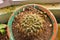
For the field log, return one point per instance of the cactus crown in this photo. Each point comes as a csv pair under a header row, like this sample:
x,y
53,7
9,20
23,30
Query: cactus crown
x,y
31,23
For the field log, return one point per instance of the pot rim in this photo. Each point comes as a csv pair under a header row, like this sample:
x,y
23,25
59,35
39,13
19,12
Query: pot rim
x,y
55,26
8,32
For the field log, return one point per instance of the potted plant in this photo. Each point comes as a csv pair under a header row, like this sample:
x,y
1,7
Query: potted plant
x,y
32,22
4,32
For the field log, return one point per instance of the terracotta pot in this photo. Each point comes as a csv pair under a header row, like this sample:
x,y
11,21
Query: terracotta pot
x,y
51,16
7,29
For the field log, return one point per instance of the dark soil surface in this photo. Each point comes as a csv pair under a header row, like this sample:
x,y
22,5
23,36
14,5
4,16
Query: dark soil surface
x,y
44,33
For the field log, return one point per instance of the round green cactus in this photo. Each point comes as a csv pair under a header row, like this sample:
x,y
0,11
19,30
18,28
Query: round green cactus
x,y
31,23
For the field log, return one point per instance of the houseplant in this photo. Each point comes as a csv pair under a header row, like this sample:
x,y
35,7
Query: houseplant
x,y
4,32
38,7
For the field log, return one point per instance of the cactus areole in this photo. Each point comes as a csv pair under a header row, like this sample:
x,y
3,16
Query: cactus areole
x,y
32,24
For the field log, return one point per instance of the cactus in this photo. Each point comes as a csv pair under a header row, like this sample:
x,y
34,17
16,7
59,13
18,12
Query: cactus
x,y
31,23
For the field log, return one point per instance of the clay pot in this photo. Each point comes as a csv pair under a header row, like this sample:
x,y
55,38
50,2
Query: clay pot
x,y
51,16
